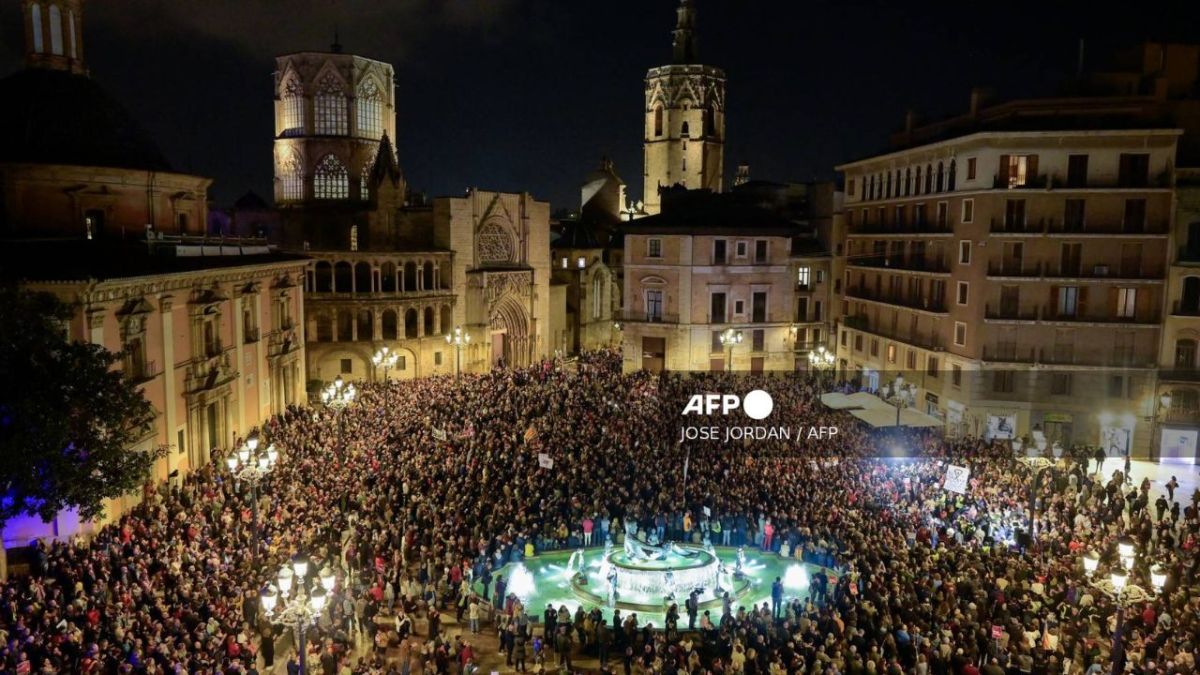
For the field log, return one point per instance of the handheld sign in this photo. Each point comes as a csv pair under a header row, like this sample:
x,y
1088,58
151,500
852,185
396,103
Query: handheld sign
x,y
545,461
956,479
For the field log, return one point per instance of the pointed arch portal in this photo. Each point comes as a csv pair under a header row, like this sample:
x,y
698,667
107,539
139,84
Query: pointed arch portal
x,y
510,345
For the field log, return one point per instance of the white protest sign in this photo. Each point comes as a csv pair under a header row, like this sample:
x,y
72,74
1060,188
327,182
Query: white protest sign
x,y
956,478
545,461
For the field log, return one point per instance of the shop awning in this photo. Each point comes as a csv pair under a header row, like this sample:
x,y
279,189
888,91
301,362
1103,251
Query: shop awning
x,y
886,417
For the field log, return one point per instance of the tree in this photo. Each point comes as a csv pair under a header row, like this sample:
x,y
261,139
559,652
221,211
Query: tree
x,y
67,419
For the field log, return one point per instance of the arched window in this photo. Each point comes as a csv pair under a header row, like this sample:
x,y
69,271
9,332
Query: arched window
x,y
917,185
56,41
71,32
683,131
389,324
429,282
710,122
907,182
330,180
950,178
928,178
291,177
429,318
370,110
330,105
446,322
324,328
362,277
343,275
345,326
366,325
941,177
387,277
658,120
324,277
1185,354
35,15
410,323
410,276
597,296
293,108
1190,302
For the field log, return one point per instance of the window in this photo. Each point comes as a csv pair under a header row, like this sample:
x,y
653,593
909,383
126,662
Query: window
x,y
931,367
654,248
685,132
802,310
1060,384
911,359
943,214
1002,381
760,251
963,287
960,334
816,333
1126,303
36,15
739,306
741,249
817,311
757,340
719,256
1135,215
964,252
1077,169
347,366
850,187
820,276
1014,214
1185,353
71,32
654,305
1134,169
970,168
56,41
291,179
369,104
1017,170
1116,386
1068,300
874,346
1070,259
658,121
716,309
597,296
293,108
956,374
858,342
891,353
330,106
1073,215
716,347
758,307
353,237
844,333
437,359
566,264
330,180
968,210
802,276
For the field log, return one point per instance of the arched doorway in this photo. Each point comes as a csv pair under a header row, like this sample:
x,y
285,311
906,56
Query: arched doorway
x,y
510,334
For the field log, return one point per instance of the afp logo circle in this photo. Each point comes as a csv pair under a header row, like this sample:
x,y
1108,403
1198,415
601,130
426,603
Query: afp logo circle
x,y
758,404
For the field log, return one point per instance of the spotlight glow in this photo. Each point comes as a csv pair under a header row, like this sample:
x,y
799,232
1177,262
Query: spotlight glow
x,y
795,577
520,582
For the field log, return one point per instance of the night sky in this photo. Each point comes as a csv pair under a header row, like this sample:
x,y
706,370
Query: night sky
x,y
529,94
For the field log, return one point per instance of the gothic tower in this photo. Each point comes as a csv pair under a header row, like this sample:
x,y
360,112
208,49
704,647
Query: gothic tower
x,y
54,35
685,117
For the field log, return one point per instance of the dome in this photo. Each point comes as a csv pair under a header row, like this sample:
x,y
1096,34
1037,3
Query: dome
x,y
56,117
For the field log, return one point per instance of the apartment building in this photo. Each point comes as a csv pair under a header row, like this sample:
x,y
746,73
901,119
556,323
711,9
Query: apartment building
x,y
1178,393
1016,277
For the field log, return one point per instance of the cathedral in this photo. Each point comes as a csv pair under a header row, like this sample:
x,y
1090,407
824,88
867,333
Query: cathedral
x,y
393,269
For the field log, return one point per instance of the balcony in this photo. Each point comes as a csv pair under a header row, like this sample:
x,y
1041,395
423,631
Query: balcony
x,y
1051,315
932,266
1043,181
928,340
1015,269
1004,226
1055,227
1064,356
884,229
1036,182
934,306
1113,272
213,349
1179,308
1188,254
1004,312
629,316
1009,353
1179,375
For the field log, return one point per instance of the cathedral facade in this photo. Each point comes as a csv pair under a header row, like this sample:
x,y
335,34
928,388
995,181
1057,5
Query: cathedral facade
x,y
395,270
684,140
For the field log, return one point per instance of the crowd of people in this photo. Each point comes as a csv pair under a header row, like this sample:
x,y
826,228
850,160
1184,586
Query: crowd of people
x,y
419,494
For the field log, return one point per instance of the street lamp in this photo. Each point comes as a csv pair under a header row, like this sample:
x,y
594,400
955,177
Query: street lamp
x,y
1158,578
295,604
730,338
1091,561
1037,464
338,394
821,361
250,468
458,339
386,358
900,394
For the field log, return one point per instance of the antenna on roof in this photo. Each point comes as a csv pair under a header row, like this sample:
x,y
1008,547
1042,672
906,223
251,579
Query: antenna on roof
x,y
336,47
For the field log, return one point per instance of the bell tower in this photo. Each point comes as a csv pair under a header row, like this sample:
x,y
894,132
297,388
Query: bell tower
x,y
54,35
684,141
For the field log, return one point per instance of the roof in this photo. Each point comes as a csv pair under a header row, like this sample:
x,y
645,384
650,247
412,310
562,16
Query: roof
x,y
83,260
251,202
577,234
57,117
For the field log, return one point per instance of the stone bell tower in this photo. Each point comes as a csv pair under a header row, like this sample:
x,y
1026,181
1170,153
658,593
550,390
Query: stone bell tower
x,y
54,34
685,117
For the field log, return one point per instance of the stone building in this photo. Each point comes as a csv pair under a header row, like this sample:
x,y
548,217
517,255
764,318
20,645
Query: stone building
x,y
684,118
210,329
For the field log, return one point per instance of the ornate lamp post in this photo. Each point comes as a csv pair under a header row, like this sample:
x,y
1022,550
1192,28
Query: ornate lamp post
x,y
297,602
900,394
250,468
821,361
730,338
1036,464
458,339
385,358
338,395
